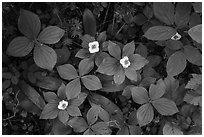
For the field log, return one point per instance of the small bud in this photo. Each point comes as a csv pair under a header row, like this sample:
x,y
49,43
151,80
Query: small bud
x,y
125,62
93,47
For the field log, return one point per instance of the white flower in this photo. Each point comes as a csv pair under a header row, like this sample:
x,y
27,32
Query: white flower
x,y
93,47
125,62
62,105
177,36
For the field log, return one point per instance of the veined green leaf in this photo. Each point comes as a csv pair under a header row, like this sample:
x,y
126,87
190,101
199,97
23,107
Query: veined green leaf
x,y
170,129
196,33
73,88
160,33
193,55
156,91
92,114
51,35
45,57
139,95
101,128
78,124
67,71
91,82
20,46
29,24
85,66
89,23
176,63
59,128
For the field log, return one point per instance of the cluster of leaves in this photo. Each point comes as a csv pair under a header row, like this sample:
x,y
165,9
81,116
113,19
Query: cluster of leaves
x,y
69,83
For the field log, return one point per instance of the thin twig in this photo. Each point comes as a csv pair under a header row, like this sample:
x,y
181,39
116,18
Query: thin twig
x,y
120,30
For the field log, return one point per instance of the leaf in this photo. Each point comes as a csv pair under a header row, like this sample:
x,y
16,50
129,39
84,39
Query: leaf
x,y
19,47
50,111
73,111
29,24
51,35
67,71
50,96
145,114
91,82
135,130
193,99
103,115
196,33
32,94
160,33
49,83
114,50
119,76
176,63
92,114
193,55
73,88
101,128
194,82
45,57
164,11
78,100
83,53
195,19
123,131
63,116
63,55
78,124
58,128
129,49
132,119
113,110
85,66
165,106
102,37
156,91
170,129
89,22
174,44
139,95
182,15
109,66
99,57
89,132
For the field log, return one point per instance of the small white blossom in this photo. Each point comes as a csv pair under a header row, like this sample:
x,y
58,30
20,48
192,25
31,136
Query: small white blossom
x,y
93,47
177,36
125,62
62,105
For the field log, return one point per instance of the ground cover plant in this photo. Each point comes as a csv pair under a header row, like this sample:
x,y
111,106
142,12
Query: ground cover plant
x,y
102,68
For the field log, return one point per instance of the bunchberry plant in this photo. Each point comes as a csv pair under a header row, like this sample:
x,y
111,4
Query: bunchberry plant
x,y
62,106
122,63
29,24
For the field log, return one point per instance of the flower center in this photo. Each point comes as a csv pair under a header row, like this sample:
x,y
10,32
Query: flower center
x,y
125,62
93,47
177,36
62,105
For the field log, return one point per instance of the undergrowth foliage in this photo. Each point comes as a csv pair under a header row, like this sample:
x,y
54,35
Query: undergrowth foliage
x,y
140,75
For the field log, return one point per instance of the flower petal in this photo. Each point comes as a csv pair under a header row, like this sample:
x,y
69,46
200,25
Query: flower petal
x,y
137,61
131,74
63,116
108,66
129,49
86,39
50,111
114,50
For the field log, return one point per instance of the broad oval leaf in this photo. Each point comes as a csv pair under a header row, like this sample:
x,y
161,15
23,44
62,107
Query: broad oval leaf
x,y
91,82
78,100
45,57
160,33
29,24
145,114
50,96
129,49
193,55
73,88
20,46
139,95
50,111
63,55
63,116
156,91
74,111
170,129
182,15
78,124
67,71
176,63
92,114
164,11
135,130
101,128
58,128
197,6
32,94
114,50
89,23
85,66
51,35
196,33
165,106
